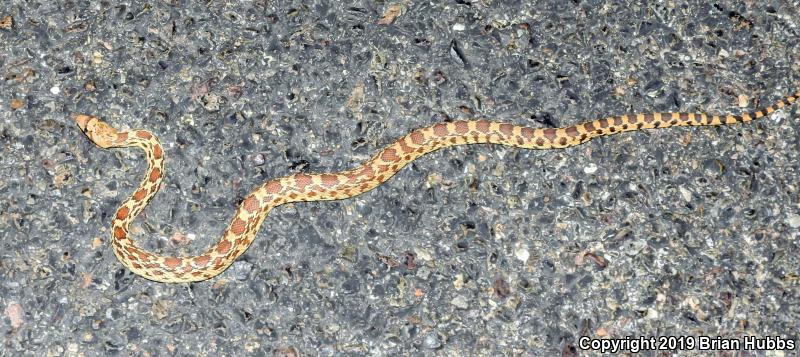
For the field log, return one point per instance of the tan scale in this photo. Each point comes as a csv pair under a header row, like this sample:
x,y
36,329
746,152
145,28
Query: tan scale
x,y
340,185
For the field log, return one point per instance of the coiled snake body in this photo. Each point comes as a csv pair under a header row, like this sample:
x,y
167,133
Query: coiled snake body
x,y
340,185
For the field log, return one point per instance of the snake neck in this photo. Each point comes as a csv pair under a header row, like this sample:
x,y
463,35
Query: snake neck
x,y
147,189
152,179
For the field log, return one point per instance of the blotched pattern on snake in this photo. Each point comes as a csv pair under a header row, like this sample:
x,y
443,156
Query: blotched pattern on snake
x,y
340,185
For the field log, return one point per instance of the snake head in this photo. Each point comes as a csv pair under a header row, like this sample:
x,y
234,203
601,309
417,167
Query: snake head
x,y
100,133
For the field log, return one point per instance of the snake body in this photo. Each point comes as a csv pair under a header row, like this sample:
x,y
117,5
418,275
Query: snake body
x,y
340,185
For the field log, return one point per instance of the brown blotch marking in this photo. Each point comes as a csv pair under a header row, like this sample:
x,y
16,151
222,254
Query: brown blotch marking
x,y
520,140
528,132
218,262
453,140
123,212
367,172
603,123
562,141
328,180
649,118
155,175
122,136
311,194
612,129
273,186
588,126
440,129
302,181
201,260
549,134
136,265
404,146
539,142
389,155
572,131
136,252
353,176
157,152
462,127
506,129
684,116
417,137
157,272
131,250
238,226
223,247
119,233
624,126
482,126
250,204
143,134
172,262
293,195
673,122
140,194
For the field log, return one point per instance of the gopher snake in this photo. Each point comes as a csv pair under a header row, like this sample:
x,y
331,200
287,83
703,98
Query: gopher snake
x,y
340,185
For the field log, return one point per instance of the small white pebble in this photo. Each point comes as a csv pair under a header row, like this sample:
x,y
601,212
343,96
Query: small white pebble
x,y
793,221
685,194
744,100
55,90
590,169
652,314
522,254
458,27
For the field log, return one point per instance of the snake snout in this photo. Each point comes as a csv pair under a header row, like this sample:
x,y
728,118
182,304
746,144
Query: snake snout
x,y
82,120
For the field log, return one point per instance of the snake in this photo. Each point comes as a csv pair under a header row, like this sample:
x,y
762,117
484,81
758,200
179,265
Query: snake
x,y
304,187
